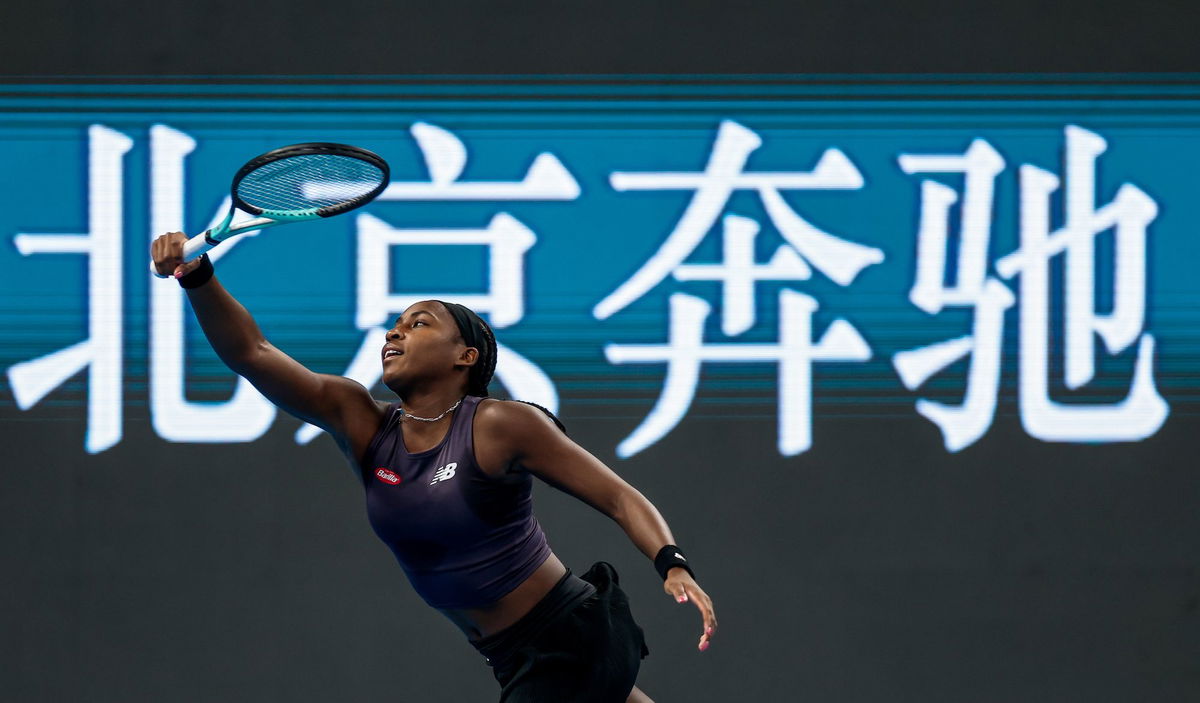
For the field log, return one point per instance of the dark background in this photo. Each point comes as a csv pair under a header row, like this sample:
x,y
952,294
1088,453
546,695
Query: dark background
x,y
875,567
652,36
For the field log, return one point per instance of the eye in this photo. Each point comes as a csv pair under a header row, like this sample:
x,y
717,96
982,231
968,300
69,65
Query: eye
x,y
418,322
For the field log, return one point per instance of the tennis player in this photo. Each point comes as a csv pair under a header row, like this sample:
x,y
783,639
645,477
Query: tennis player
x,y
448,476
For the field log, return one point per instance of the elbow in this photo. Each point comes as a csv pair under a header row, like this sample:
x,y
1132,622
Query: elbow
x,y
624,505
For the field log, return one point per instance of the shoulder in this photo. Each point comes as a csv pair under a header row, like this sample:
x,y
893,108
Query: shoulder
x,y
362,414
384,408
353,402
510,416
507,429
363,430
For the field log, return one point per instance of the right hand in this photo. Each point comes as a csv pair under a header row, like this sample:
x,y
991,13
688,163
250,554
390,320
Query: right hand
x,y
167,253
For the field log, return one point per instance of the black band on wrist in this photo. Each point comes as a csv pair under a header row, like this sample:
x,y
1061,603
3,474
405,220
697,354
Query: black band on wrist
x,y
200,275
668,558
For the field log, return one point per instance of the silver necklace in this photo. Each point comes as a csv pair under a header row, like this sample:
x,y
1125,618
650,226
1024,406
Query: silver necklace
x,y
449,410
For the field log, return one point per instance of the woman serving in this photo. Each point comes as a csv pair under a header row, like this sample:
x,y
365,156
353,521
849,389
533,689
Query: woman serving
x,y
447,473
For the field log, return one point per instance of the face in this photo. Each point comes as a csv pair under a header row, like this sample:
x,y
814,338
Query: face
x,y
425,347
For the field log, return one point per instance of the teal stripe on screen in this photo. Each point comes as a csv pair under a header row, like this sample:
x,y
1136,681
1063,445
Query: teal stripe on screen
x,y
589,245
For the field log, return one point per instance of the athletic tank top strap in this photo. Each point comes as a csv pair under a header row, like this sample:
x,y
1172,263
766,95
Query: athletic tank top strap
x,y
462,429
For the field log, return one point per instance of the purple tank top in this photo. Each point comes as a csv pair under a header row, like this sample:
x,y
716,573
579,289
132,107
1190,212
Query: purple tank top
x,y
464,538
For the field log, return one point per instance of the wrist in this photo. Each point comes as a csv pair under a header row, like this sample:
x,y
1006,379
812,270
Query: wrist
x,y
671,557
199,275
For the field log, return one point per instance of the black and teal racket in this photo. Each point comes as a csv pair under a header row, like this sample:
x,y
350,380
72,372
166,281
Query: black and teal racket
x,y
293,184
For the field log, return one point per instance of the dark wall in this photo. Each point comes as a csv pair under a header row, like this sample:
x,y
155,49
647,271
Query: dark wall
x,y
876,567
358,36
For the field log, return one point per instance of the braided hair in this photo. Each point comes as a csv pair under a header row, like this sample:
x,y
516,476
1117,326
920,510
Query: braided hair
x,y
478,334
475,333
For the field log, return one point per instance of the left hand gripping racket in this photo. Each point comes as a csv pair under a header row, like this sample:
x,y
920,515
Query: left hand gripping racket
x,y
293,184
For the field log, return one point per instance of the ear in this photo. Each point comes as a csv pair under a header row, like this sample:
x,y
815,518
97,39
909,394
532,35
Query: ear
x,y
468,357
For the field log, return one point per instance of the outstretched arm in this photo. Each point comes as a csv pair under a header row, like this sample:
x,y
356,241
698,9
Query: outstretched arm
x,y
336,404
519,433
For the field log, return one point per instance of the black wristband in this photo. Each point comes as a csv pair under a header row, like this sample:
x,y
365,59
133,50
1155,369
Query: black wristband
x,y
668,558
199,276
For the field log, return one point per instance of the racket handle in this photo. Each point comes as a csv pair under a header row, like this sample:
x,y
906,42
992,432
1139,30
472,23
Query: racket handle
x,y
192,249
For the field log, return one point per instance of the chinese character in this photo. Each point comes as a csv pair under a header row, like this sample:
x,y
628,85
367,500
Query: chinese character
x,y
102,351
806,248
1144,410
507,241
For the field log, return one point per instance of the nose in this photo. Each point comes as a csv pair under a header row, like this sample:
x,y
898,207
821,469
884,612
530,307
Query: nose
x,y
393,334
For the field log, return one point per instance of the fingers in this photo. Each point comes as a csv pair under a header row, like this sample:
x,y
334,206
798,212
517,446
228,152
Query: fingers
x,y
683,591
167,254
704,605
165,260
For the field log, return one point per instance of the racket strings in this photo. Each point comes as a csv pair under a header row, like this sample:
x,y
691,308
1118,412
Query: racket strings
x,y
301,183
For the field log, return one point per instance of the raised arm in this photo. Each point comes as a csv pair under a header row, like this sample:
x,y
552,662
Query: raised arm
x,y
517,433
336,404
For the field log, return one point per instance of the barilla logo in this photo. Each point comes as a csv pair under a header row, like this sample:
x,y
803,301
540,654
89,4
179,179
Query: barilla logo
x,y
387,476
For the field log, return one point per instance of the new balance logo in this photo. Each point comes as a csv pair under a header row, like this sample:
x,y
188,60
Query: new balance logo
x,y
445,473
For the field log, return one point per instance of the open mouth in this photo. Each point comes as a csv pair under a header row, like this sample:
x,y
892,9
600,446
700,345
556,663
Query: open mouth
x,y
391,353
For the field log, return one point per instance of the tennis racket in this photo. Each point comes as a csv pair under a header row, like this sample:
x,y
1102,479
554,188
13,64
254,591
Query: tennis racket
x,y
294,184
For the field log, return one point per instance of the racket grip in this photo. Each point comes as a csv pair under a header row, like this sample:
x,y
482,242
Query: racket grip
x,y
192,249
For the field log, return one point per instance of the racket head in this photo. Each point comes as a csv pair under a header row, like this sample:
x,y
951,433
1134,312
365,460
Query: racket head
x,y
304,181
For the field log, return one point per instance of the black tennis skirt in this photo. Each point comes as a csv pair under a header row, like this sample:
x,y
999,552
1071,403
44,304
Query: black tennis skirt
x,y
579,643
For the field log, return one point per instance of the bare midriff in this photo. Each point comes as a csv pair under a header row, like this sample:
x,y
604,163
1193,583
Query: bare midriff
x,y
477,623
